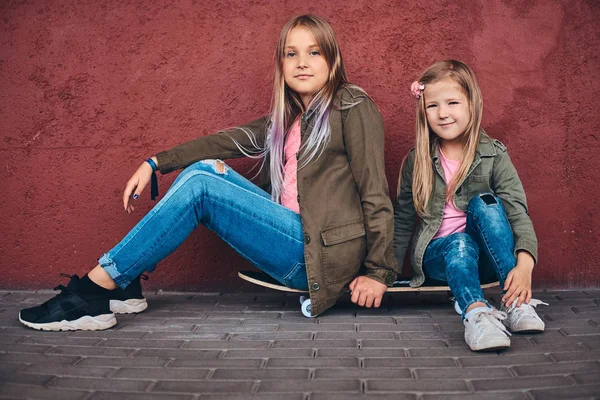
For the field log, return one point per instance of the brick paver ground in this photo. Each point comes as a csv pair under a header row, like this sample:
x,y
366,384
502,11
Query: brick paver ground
x,y
238,346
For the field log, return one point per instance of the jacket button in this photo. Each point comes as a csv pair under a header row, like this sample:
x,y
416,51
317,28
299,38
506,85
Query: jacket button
x,y
297,155
298,198
316,286
306,239
459,190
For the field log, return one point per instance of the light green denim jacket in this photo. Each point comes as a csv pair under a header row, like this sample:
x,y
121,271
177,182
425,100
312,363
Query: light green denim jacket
x,y
491,172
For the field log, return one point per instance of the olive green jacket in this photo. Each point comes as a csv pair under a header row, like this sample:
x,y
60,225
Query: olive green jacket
x,y
491,172
346,212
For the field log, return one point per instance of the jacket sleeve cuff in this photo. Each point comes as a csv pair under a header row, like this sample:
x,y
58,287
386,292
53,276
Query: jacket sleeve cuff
x,y
383,276
529,247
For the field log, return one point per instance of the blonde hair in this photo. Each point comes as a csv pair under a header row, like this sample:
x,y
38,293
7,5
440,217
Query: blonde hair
x,y
426,139
287,105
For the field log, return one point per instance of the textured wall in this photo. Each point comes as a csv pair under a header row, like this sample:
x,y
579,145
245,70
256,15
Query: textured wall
x,y
91,88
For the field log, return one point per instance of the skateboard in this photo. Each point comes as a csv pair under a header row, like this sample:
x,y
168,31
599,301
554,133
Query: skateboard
x,y
264,280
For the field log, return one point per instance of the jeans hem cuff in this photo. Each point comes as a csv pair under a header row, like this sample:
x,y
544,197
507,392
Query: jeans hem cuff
x,y
111,269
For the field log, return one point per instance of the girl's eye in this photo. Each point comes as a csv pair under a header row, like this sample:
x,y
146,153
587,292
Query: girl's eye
x,y
290,54
431,106
315,53
453,102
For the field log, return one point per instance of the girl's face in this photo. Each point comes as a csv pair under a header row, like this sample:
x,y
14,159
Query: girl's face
x,y
447,109
304,67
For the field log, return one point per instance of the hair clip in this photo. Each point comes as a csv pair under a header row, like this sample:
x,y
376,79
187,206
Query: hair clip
x,y
416,89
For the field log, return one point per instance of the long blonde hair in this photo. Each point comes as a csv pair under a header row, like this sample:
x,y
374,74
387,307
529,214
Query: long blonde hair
x,y
426,139
286,104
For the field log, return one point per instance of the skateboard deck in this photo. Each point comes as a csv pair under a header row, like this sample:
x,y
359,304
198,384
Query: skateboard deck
x,y
264,280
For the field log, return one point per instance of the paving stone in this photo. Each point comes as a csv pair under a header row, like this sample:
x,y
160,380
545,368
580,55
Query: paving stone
x,y
587,378
580,330
142,344
360,396
204,386
362,373
488,360
162,373
11,389
260,374
272,336
101,384
229,344
149,327
69,370
521,383
37,358
23,348
411,385
254,396
403,343
573,392
109,333
408,362
12,367
217,363
312,363
355,335
272,353
576,356
140,396
397,328
315,327
25,379
60,341
478,396
360,353
557,369
179,353
443,352
187,335
124,362
90,351
314,386
462,373
316,344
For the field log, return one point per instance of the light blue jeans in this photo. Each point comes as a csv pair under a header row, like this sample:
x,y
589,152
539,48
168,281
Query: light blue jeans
x,y
210,193
482,254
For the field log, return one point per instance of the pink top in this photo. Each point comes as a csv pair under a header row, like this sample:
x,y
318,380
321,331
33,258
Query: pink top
x,y
454,220
289,190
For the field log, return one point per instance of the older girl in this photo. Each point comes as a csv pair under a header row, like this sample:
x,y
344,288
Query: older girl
x,y
321,212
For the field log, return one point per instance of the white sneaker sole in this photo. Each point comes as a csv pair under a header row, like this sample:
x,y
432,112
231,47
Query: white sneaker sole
x,y
490,345
85,323
128,306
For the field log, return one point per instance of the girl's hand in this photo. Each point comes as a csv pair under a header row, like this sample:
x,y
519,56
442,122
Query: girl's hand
x,y
136,184
367,292
518,281
416,89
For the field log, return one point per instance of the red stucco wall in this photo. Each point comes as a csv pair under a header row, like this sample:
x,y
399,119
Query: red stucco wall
x,y
89,89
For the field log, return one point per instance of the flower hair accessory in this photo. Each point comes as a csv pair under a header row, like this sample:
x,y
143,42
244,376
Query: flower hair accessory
x,y
416,89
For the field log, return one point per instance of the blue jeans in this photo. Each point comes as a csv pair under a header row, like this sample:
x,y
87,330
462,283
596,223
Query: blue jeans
x,y
482,254
210,193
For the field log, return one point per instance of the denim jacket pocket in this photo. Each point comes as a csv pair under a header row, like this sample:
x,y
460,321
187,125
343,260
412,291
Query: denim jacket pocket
x,y
343,250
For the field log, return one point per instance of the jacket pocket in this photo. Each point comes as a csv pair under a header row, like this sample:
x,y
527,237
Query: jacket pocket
x,y
343,250
478,184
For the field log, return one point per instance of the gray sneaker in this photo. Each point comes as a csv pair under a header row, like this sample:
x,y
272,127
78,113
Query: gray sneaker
x,y
484,331
523,318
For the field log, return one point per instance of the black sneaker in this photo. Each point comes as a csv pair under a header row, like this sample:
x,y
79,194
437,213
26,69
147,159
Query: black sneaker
x,y
70,311
129,300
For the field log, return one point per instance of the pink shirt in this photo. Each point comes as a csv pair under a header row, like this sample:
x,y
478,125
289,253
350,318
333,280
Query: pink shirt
x,y
289,192
454,220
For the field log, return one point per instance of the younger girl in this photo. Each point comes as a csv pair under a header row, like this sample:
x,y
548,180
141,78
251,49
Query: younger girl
x,y
473,221
325,214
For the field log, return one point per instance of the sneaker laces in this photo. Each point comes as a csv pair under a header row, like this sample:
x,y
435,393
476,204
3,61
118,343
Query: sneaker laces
x,y
525,308
494,317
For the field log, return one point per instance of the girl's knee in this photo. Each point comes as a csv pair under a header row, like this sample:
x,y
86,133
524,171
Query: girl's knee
x,y
485,203
461,245
211,167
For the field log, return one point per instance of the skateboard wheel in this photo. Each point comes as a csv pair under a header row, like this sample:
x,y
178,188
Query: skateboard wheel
x,y
457,308
306,308
303,299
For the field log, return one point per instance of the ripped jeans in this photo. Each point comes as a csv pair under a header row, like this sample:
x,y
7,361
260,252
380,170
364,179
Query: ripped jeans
x,y
210,193
484,253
